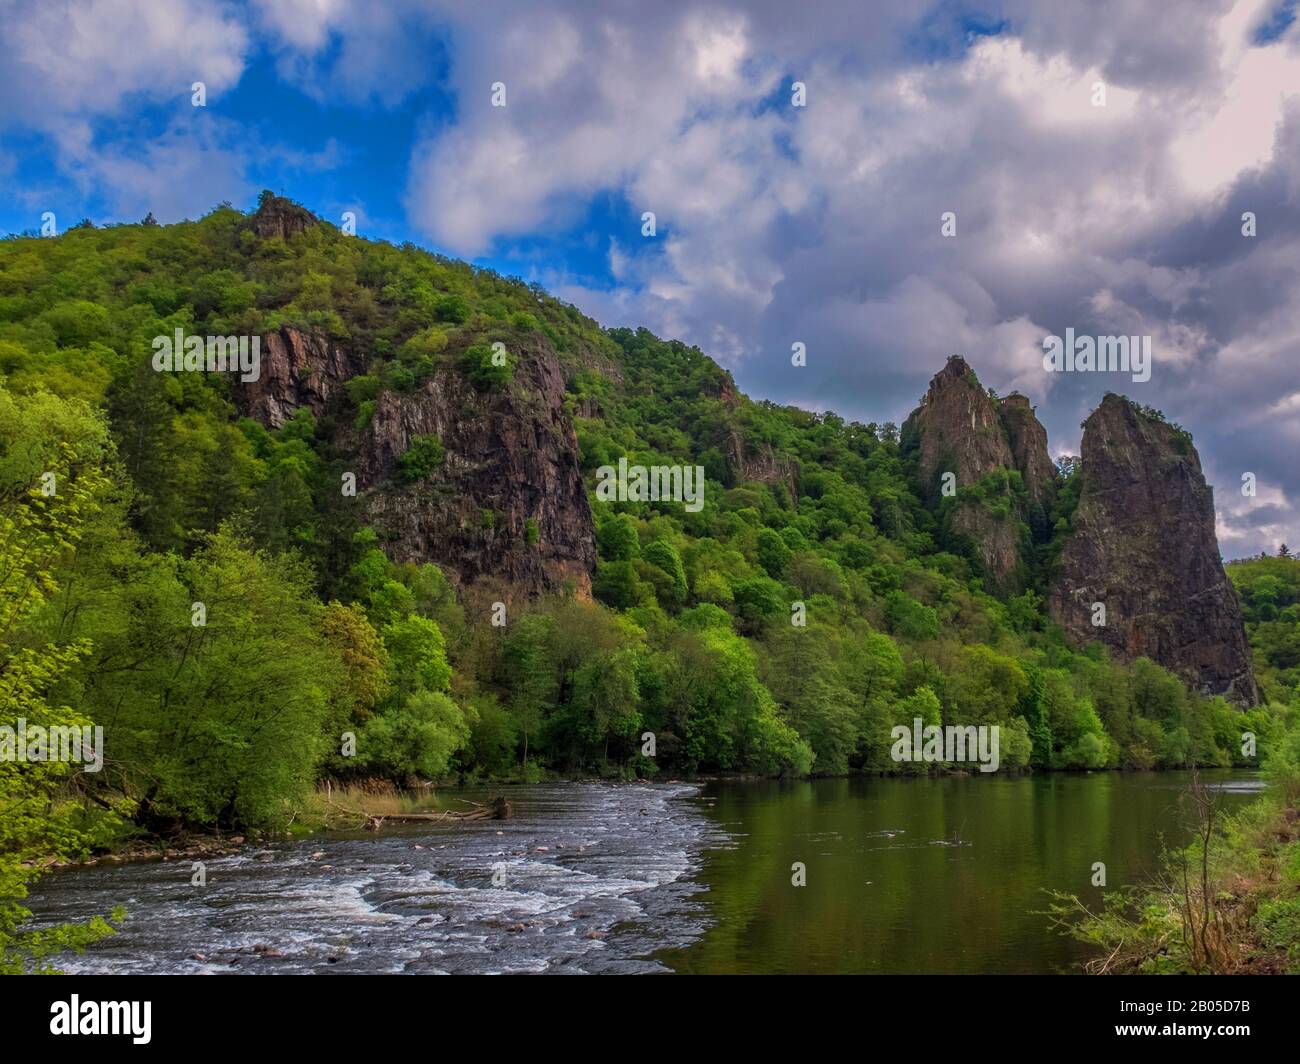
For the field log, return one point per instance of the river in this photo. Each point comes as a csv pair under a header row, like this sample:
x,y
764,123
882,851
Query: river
x,y
901,875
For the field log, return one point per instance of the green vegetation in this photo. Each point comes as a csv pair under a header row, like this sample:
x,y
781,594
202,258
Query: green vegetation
x,y
1228,903
421,458
488,369
1269,591
1182,438
320,657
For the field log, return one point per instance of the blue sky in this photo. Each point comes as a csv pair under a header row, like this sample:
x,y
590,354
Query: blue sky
x,y
775,223
337,152
330,153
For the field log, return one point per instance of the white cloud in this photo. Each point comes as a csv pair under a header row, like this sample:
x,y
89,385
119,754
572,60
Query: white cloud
x,y
1234,130
822,224
181,174
819,224
84,57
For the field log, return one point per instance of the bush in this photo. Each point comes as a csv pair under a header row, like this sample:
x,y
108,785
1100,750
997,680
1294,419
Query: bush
x,y
422,457
453,309
418,737
363,388
910,619
488,369
365,414
423,345
617,584
616,537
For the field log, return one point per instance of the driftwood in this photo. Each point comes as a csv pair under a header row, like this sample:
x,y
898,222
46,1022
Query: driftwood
x,y
497,809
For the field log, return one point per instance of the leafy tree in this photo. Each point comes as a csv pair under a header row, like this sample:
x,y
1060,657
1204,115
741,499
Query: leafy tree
x,y
910,619
773,553
617,584
533,685
663,556
44,437
418,654
616,537
759,600
418,736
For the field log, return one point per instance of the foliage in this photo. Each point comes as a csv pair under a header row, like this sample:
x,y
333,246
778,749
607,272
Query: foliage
x,y
422,456
313,633
43,437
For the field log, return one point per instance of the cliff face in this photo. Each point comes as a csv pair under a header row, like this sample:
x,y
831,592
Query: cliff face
x,y
1028,440
763,465
1144,545
509,467
751,461
298,369
510,457
957,430
960,429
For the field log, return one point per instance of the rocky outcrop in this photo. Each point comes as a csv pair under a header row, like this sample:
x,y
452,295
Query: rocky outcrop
x,y
507,500
1143,543
958,429
1028,440
1144,546
297,369
277,216
749,462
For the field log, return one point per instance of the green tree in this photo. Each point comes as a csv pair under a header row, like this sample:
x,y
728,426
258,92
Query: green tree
x,y
617,539
671,590
773,554
45,443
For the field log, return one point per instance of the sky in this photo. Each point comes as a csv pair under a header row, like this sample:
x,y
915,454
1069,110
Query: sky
x,y
777,220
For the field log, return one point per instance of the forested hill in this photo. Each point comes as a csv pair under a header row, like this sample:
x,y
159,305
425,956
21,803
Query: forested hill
x,y
403,530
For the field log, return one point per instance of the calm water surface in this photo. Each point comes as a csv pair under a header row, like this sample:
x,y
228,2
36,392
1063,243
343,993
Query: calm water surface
x,y
924,875
919,875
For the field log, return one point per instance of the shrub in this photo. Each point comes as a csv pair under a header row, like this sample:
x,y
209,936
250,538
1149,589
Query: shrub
x,y
420,459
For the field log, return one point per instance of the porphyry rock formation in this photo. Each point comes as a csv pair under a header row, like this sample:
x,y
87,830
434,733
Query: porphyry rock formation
x,y
959,428
1028,440
503,499
1144,546
1142,542
506,501
297,369
277,216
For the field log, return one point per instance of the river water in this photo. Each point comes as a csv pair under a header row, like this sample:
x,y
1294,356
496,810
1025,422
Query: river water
x,y
901,875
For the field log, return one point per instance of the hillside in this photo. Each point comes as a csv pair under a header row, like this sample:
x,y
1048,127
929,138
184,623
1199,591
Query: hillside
x,y
479,607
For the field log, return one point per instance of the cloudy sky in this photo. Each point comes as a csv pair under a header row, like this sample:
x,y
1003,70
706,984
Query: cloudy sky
x,y
775,223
